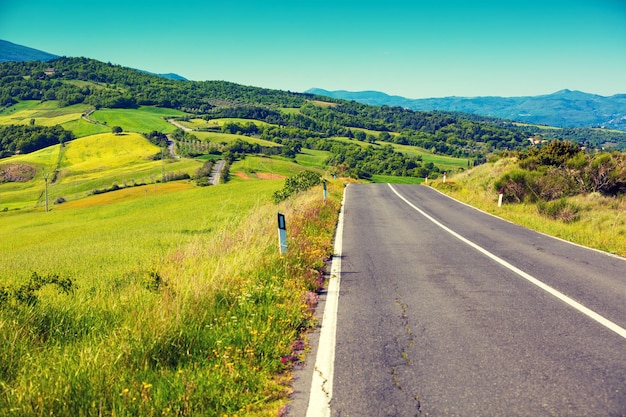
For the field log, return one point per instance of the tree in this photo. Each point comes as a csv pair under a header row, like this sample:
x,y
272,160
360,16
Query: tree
x,y
360,135
116,130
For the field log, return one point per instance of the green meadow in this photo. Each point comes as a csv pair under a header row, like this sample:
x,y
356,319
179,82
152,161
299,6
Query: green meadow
x,y
312,158
46,113
444,162
268,168
396,180
143,120
167,299
86,164
447,163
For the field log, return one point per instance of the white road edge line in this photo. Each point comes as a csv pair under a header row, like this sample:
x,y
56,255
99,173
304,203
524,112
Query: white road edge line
x,y
322,380
590,313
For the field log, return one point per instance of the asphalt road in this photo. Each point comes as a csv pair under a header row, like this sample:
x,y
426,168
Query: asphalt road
x,y
429,324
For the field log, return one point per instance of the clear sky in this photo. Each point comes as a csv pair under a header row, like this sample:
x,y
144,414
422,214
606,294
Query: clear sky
x,y
416,49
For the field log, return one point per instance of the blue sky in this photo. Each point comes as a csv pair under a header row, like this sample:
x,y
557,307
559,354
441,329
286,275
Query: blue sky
x,y
416,49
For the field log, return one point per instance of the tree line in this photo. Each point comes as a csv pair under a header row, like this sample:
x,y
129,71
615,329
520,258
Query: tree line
x,y
25,139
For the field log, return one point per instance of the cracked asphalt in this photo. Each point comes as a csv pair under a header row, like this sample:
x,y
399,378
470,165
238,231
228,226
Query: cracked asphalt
x,y
429,326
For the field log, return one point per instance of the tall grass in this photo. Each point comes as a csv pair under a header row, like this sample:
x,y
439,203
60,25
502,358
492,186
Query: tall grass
x,y
181,304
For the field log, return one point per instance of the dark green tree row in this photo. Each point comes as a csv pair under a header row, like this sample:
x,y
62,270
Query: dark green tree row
x,y
363,162
25,139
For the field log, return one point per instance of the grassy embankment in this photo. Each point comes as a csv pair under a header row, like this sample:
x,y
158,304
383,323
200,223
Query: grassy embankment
x,y
167,299
601,221
179,303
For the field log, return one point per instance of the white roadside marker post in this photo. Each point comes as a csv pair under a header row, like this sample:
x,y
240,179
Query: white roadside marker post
x,y
282,234
500,197
444,177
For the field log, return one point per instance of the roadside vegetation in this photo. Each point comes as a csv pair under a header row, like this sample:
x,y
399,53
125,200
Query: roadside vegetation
x,y
557,189
131,308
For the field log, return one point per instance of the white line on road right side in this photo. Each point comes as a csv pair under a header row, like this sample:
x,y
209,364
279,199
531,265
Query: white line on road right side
x,y
322,380
590,313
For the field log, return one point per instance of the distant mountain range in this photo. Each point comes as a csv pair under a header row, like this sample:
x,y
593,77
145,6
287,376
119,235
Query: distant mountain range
x,y
564,108
11,52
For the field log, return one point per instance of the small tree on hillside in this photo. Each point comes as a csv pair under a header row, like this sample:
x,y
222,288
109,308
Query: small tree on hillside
x,y
116,130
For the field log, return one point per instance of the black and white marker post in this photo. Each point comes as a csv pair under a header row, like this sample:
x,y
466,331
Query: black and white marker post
x,y
282,234
500,197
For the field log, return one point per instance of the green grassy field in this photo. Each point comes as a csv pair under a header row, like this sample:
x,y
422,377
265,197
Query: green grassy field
x,y
47,113
178,302
444,162
266,168
312,158
396,180
86,164
82,128
447,163
143,120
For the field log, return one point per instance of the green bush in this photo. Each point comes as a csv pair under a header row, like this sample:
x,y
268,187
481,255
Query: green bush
x,y
559,209
515,185
555,184
302,181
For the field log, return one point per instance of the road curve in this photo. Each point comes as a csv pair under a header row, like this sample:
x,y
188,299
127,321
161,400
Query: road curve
x,y
429,325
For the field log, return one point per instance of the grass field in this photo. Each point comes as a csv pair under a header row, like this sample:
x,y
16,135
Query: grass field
x,y
262,167
178,302
143,120
312,158
396,180
447,163
86,164
47,113
82,128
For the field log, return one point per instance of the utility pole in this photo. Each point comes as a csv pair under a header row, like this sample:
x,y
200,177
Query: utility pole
x,y
162,166
45,177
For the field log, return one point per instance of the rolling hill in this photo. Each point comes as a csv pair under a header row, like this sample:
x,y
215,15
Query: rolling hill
x,y
565,108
